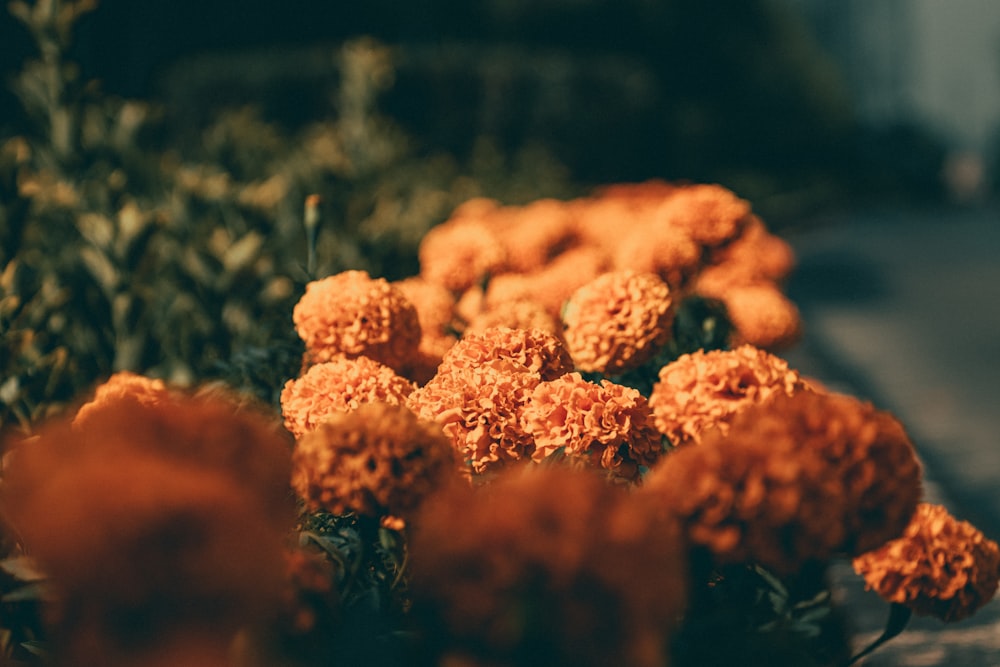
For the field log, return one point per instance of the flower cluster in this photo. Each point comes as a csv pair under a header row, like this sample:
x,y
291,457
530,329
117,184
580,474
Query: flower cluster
x,y
546,565
794,480
705,390
939,566
378,460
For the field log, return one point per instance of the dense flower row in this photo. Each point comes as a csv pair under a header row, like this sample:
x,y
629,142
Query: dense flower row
x,y
551,513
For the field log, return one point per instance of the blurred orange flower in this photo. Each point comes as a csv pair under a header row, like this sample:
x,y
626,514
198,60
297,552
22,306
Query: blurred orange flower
x,y
940,566
710,213
460,253
516,314
618,321
546,565
666,250
353,314
122,385
379,460
339,385
794,480
701,390
607,424
762,316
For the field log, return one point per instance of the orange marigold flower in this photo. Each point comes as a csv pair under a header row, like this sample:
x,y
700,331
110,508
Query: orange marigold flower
x,y
553,283
618,207
533,234
435,307
459,253
516,314
665,250
701,390
339,385
940,566
543,566
795,480
755,255
141,389
480,406
530,350
142,548
353,314
609,425
762,316
618,321
379,460
710,213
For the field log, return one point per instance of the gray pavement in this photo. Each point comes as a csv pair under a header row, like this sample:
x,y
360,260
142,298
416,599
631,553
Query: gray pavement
x,y
903,309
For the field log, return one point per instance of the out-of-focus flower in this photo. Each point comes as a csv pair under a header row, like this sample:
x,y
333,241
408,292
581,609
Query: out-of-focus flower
x,y
353,314
609,425
122,385
534,233
611,209
755,255
516,314
795,480
435,307
710,213
940,566
480,406
762,316
459,253
141,548
701,390
552,284
546,565
531,350
339,385
618,321
379,460
666,250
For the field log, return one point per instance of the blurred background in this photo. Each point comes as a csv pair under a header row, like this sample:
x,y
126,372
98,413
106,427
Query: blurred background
x,y
795,104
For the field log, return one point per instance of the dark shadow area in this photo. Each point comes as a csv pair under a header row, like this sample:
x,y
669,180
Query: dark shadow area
x,y
836,278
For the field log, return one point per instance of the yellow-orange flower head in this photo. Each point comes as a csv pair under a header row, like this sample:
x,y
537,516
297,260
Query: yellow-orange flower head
x,y
609,425
710,213
122,385
532,350
339,385
939,567
481,408
546,565
701,390
353,314
459,253
795,480
379,460
618,321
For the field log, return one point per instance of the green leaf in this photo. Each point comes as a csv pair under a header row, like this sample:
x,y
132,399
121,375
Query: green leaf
x,y
36,648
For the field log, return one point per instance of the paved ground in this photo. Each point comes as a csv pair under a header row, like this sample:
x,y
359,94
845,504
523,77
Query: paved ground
x,y
904,309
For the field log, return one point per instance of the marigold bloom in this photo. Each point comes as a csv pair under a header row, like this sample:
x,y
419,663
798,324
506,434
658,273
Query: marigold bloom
x,y
552,284
143,550
516,314
609,425
710,213
339,385
762,316
618,321
534,233
435,307
546,565
459,253
701,390
531,350
143,390
379,460
755,255
211,431
665,250
795,480
353,314
480,406
940,566
620,207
